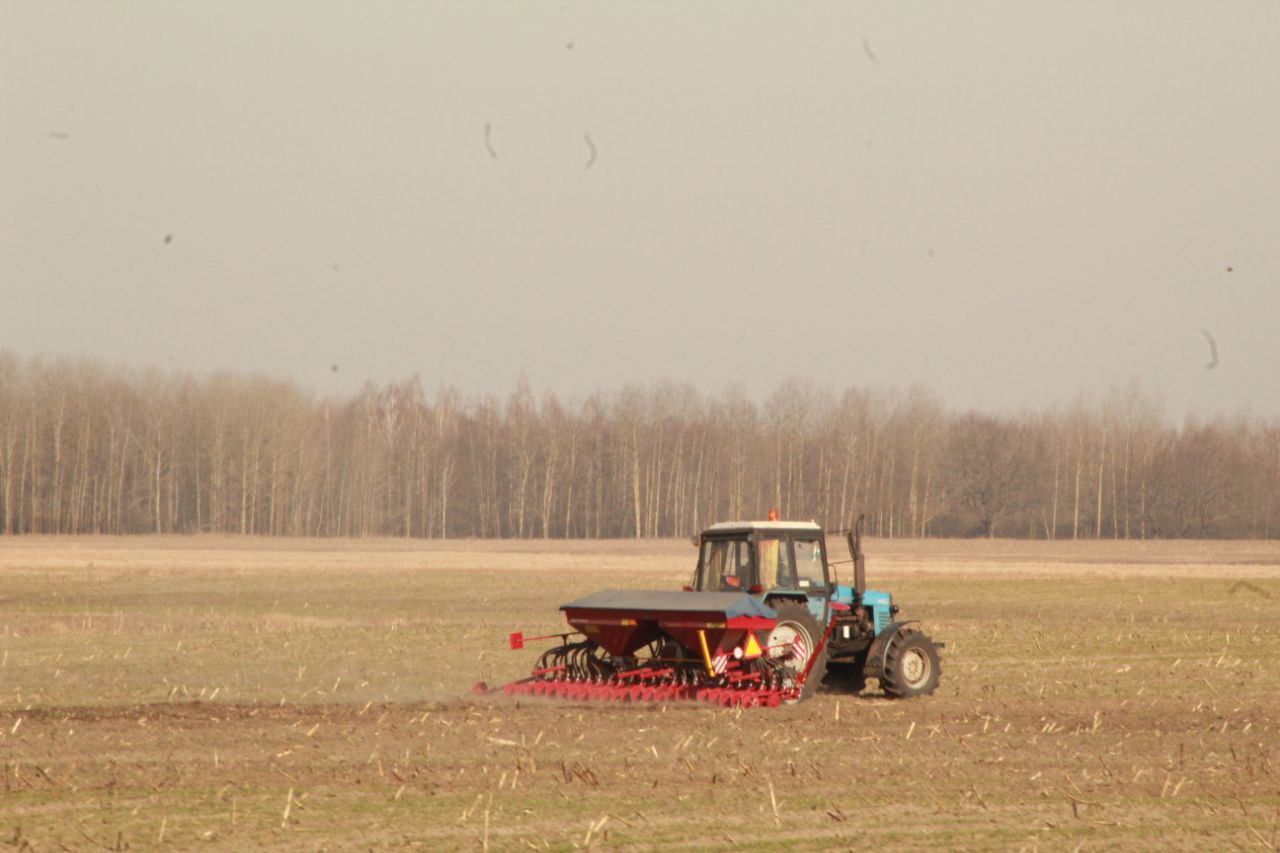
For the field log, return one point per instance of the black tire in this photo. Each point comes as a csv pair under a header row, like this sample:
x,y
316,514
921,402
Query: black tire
x,y
797,617
911,666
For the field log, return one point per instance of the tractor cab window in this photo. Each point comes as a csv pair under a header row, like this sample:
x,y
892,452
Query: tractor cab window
x,y
776,569
809,570
725,566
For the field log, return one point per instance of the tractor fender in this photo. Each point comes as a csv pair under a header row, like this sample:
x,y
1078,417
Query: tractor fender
x,y
879,647
800,598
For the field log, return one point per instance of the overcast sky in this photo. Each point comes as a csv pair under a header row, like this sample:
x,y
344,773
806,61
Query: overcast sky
x,y
1009,203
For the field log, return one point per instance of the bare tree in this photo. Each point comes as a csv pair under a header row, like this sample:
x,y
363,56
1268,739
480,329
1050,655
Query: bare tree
x,y
987,475
90,449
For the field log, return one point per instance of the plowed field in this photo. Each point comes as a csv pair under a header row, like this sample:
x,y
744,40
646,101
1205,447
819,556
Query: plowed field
x,y
232,693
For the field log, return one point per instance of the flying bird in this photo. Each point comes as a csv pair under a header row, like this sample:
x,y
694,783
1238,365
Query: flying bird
x,y
591,149
871,54
1213,349
1254,588
488,141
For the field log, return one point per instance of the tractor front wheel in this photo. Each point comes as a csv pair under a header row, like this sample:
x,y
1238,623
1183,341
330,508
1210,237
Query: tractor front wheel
x,y
911,666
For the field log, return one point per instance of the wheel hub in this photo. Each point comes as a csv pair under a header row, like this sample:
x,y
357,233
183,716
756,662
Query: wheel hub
x,y
790,643
915,667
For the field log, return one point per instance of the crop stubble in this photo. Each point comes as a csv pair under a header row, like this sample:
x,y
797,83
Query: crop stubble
x,y
223,691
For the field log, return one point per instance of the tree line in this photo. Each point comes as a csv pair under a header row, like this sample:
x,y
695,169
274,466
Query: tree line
x,y
87,448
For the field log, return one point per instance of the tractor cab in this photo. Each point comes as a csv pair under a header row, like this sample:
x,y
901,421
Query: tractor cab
x,y
769,560
787,560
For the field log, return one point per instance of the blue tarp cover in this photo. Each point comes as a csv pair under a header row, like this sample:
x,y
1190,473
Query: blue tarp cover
x,y
729,603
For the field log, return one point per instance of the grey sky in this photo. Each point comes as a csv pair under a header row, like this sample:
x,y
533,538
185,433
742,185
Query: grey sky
x,y
1006,202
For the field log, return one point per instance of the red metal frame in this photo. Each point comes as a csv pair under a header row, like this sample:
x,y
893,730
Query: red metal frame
x,y
751,623
518,639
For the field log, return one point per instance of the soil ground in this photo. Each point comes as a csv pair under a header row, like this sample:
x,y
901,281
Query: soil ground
x,y
304,694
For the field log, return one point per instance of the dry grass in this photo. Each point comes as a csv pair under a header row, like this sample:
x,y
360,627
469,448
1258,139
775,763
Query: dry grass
x,y
233,692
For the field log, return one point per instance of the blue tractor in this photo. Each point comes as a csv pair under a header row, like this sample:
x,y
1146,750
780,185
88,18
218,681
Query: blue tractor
x,y
763,623
852,632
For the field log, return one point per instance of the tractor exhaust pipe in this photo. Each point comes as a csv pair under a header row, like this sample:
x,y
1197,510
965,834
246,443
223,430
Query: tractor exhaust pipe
x,y
859,562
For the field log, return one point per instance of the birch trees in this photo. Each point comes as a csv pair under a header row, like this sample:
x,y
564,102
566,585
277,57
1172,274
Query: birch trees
x,y
90,449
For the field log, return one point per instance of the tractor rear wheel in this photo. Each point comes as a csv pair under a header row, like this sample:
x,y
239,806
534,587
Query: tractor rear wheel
x,y
911,666
797,636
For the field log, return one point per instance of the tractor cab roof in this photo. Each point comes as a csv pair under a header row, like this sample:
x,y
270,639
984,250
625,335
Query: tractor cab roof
x,y
731,527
